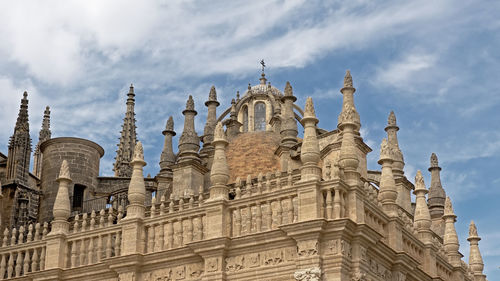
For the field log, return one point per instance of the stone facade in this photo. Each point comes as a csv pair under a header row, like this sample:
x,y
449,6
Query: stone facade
x,y
252,202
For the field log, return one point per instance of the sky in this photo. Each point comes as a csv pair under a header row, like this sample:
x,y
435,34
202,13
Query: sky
x,y
434,63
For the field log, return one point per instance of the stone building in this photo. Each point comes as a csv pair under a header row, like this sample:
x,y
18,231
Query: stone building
x,y
253,201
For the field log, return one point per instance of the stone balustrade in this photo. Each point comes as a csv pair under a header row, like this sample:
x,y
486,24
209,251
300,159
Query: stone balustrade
x,y
93,245
23,251
175,226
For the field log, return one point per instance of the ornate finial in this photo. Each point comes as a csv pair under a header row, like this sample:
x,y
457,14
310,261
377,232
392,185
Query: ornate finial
x,y
219,132
472,229
448,208
138,152
249,86
25,95
434,161
170,124
212,96
419,181
47,110
386,150
237,95
392,119
263,64
190,103
348,80
309,108
64,172
288,89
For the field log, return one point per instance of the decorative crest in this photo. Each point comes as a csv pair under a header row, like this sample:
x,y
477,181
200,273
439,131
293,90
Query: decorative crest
x,y
219,132
64,172
138,151
472,229
392,119
448,208
309,108
419,181
212,96
434,160
348,80
190,103
170,124
263,64
386,150
288,89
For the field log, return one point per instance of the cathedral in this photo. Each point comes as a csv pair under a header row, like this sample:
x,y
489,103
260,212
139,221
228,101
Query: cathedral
x,y
249,199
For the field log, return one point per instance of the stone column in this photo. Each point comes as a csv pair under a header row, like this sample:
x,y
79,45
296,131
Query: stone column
x,y
349,124
388,192
167,160
309,195
133,222
56,239
219,175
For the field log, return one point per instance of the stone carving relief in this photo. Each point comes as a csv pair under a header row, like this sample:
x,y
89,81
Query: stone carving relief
x,y
128,276
212,264
309,274
399,276
252,260
273,257
266,258
182,272
363,253
234,263
380,270
332,247
345,249
358,276
307,248
194,270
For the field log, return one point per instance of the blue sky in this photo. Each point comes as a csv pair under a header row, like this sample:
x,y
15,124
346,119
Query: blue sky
x,y
435,64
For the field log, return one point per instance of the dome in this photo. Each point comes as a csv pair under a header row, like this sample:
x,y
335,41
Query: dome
x,y
252,153
263,88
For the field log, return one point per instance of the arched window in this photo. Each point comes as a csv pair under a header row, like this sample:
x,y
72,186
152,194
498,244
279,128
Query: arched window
x,y
260,116
245,118
78,196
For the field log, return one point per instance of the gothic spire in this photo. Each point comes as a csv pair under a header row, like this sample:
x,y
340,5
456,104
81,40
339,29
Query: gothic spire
x,y
189,143
137,189
437,195
388,191
62,210
475,260
422,218
18,161
211,104
128,139
289,126
44,135
309,153
450,237
219,174
349,115
167,158
392,139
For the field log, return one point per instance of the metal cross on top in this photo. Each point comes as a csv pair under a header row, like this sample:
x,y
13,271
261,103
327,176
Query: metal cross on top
x,y
263,64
